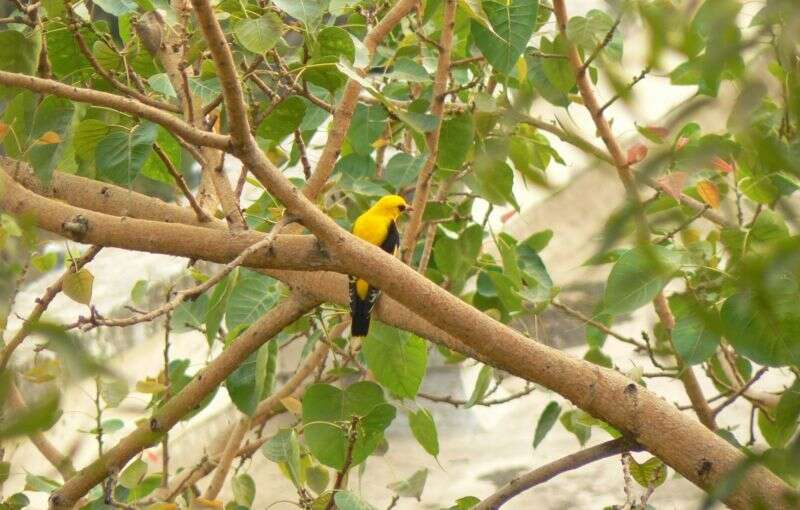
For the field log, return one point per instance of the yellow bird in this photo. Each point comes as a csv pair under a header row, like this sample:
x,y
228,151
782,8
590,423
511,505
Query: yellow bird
x,y
378,226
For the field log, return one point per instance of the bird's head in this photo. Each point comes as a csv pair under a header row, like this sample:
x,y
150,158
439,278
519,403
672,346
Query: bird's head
x,y
391,206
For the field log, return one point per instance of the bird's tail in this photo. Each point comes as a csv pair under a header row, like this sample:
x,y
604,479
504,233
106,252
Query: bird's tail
x,y
360,314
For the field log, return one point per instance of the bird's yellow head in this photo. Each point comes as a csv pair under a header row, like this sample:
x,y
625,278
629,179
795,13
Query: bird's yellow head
x,y
391,206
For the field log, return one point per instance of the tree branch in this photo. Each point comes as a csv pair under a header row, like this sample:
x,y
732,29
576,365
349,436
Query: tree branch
x,y
542,474
148,434
119,103
340,123
423,185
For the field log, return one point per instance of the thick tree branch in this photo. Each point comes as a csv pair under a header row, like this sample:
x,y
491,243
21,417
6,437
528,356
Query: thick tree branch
x,y
693,450
540,475
148,434
119,103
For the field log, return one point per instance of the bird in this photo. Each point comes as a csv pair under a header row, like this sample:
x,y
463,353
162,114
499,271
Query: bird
x,y
378,226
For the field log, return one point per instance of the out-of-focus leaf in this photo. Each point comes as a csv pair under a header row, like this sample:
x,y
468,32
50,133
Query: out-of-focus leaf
x,y
259,34
244,490
78,286
481,385
132,475
40,415
651,473
346,500
546,421
412,487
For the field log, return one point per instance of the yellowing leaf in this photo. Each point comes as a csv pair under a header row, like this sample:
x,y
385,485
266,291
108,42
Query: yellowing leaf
x,y
709,193
206,504
722,165
78,286
43,371
150,385
162,506
293,405
4,128
50,137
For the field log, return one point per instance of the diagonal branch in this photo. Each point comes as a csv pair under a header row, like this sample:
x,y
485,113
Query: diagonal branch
x,y
148,434
542,474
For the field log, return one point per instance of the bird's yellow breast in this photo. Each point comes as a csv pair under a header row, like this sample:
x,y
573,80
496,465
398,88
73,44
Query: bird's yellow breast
x,y
373,228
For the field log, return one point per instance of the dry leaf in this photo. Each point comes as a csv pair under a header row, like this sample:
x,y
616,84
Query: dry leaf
x,y
709,193
637,153
78,286
672,184
681,143
659,131
293,405
4,128
49,138
722,165
507,216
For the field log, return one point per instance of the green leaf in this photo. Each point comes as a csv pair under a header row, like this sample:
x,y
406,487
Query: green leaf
x,y
539,80
403,169
424,429
244,490
317,478
78,286
589,32
368,124
284,448
19,53
119,156
546,421
260,34
87,135
252,380
398,359
538,241
513,25
651,473
455,257
327,411
117,7
538,287
40,483
598,357
283,120
411,487
696,335
557,70
132,475
494,181
161,84
455,139
45,262
571,420
217,305
346,500
336,42
481,385
253,294
507,246
638,275
190,316
766,333
49,134
154,168
310,12
420,122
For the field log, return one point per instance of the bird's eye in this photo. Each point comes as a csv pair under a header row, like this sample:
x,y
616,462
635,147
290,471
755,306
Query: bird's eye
x,y
402,207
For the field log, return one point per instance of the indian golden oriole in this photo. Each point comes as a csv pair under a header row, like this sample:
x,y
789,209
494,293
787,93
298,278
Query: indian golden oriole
x,y
378,226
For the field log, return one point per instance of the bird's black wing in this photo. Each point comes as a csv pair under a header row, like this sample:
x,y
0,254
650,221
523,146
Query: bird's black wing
x,y
389,245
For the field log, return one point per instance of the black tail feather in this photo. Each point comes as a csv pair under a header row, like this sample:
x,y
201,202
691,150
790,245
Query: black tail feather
x,y
360,314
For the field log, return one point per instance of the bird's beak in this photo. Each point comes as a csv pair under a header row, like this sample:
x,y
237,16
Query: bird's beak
x,y
408,209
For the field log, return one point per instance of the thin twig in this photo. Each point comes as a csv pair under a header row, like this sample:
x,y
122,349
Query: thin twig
x,y
352,435
598,325
202,217
728,401
455,402
634,81
600,47
669,235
